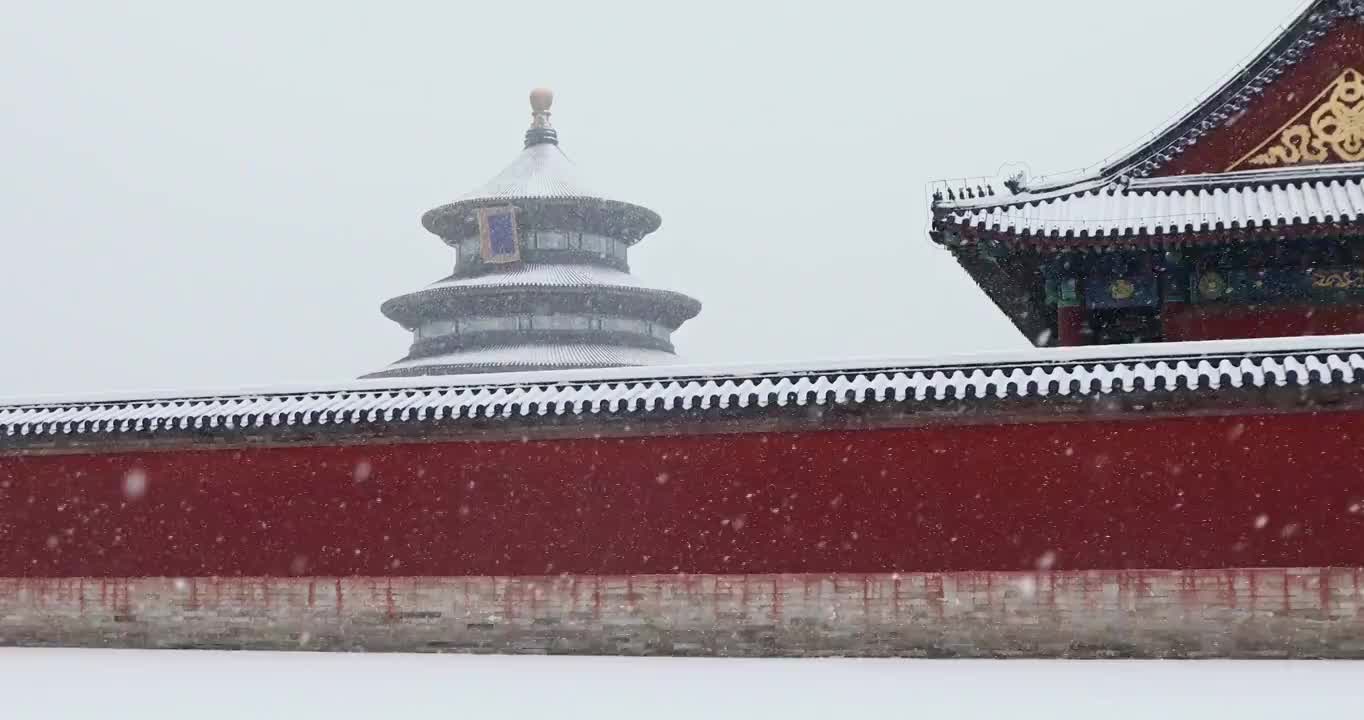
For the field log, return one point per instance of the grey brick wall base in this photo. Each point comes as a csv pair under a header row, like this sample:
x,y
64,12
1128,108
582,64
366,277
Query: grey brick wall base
x,y
1312,612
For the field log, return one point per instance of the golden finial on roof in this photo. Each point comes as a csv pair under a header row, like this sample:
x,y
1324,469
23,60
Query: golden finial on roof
x,y
540,101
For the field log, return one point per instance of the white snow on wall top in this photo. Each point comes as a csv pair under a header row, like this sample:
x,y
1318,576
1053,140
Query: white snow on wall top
x,y
1174,367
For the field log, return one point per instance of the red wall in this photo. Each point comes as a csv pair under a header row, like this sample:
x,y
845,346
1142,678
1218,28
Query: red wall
x,y
1156,494
1223,322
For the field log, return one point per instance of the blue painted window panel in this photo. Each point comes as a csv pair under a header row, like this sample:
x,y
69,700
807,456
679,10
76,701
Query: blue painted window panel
x,y
502,234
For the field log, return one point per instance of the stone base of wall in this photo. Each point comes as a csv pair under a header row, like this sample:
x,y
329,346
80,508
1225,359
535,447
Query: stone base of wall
x,y
1313,612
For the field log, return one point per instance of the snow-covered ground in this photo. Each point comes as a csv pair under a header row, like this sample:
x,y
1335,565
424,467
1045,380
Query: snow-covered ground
x,y
202,685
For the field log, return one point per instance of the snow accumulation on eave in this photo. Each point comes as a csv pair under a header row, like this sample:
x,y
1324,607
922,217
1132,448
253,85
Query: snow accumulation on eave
x,y
539,171
1153,353
546,355
1171,209
1210,202
547,275
1274,178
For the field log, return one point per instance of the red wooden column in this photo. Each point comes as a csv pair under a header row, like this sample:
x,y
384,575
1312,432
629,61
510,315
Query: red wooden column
x,y
1071,326
1072,322
1176,323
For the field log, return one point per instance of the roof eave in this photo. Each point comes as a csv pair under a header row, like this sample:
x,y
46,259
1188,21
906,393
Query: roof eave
x,y
457,218
410,309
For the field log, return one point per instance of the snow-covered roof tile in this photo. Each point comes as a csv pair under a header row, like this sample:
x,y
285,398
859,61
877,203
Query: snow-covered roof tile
x,y
540,172
544,355
1155,210
547,275
641,392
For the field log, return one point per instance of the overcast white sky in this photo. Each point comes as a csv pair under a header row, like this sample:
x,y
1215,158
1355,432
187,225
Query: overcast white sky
x,y
197,194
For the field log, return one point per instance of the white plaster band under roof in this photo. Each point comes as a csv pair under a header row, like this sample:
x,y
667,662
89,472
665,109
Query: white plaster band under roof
x,y
1092,372
1152,209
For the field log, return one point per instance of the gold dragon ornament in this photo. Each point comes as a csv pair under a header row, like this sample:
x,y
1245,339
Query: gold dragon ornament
x,y
1334,127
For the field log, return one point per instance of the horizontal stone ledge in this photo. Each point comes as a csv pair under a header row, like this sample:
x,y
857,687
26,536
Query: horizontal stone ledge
x,y
1249,612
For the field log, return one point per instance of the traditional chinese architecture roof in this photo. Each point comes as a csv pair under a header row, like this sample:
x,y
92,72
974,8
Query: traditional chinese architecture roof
x,y
594,280
543,174
1051,382
532,275
540,173
499,358
1167,211
1277,147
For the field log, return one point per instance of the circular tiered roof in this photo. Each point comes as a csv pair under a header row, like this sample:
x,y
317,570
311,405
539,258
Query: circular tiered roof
x,y
593,280
541,175
557,294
